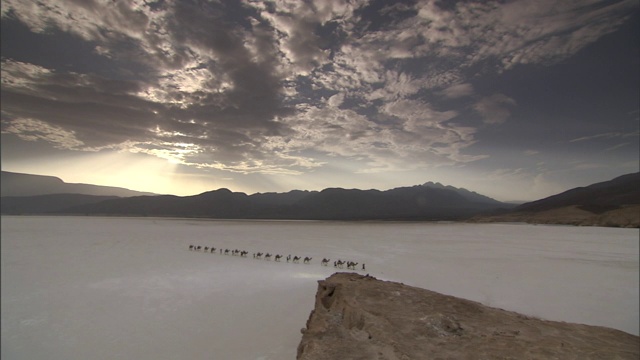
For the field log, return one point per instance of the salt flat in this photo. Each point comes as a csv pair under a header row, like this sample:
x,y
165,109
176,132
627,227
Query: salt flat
x,y
105,288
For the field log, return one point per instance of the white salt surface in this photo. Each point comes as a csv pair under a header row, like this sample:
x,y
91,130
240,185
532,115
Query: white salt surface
x,y
129,288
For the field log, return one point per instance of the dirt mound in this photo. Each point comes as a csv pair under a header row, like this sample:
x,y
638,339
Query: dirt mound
x,y
360,317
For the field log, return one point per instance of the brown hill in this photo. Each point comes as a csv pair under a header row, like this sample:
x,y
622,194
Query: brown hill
x,y
625,216
360,317
596,198
613,203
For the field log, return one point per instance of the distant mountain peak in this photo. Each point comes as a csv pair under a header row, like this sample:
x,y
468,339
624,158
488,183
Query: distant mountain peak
x,y
433,184
469,195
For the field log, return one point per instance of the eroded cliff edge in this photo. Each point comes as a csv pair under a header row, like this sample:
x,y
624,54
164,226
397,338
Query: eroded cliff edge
x,y
360,317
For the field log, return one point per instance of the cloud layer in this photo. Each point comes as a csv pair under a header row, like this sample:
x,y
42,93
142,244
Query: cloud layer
x,y
284,86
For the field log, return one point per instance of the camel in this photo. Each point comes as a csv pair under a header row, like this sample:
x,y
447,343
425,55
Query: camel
x,y
278,256
243,253
213,250
339,263
198,248
296,259
190,247
267,256
206,248
226,251
351,265
258,255
325,261
307,259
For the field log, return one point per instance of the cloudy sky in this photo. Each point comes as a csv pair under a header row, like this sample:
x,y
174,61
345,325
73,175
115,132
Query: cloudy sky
x,y
516,100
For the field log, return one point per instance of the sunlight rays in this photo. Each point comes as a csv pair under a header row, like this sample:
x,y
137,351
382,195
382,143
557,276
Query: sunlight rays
x,y
111,168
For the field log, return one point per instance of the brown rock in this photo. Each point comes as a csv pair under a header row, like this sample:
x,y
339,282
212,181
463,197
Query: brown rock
x,y
360,317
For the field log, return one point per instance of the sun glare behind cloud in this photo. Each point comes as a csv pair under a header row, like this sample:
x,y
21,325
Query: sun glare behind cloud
x,y
139,172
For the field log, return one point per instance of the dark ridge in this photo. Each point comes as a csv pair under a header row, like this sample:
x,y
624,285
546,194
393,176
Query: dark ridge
x,y
18,184
597,198
406,203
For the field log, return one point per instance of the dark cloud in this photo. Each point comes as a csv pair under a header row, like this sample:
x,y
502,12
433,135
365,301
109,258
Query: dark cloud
x,y
254,98
55,49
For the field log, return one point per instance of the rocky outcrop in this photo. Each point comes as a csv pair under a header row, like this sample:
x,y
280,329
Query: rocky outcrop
x,y
360,317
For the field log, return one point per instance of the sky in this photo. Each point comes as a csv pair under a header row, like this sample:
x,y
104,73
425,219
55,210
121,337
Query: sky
x,y
517,100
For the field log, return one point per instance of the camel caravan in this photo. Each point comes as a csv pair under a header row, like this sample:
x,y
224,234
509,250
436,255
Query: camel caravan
x,y
267,256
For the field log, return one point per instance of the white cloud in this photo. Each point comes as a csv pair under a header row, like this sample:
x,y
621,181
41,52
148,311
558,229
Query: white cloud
x,y
416,114
609,135
84,18
336,100
617,146
298,42
419,138
458,90
21,76
33,130
397,85
495,108
295,23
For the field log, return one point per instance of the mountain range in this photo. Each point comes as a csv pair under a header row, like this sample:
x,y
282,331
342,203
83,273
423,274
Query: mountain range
x,y
615,203
430,201
18,184
609,203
